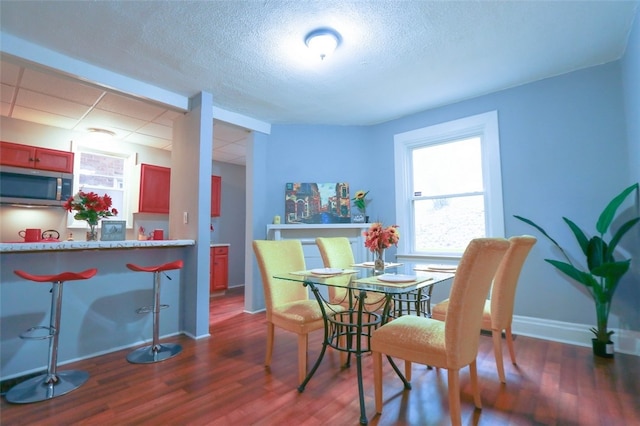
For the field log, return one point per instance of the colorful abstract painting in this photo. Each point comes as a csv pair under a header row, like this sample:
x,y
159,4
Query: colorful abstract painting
x,y
317,203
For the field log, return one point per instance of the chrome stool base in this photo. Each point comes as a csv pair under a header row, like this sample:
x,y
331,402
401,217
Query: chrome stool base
x,y
35,389
147,354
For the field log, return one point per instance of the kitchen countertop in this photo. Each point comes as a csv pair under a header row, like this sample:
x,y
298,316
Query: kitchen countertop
x,y
90,245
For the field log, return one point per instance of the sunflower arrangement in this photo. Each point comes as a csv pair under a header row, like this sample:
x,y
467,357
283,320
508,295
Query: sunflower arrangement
x,y
360,201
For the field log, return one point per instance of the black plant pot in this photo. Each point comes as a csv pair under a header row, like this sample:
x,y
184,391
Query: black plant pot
x,y
602,349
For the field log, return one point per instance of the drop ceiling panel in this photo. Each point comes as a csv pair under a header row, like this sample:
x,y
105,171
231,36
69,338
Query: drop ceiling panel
x,y
148,141
234,149
106,119
6,93
131,107
219,143
46,103
226,157
42,117
70,104
9,74
156,130
62,88
5,108
167,117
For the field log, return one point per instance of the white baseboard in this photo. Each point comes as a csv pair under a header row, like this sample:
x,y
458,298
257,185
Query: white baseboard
x,y
625,341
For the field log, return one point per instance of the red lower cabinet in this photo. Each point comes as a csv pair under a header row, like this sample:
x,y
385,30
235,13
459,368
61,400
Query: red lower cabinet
x,y
219,271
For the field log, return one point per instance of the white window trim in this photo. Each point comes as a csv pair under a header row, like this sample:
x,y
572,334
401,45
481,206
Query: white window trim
x,y
485,125
130,160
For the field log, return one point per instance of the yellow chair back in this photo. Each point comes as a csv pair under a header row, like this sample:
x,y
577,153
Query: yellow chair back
x,y
278,257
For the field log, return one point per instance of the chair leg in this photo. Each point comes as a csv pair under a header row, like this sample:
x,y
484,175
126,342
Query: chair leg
x,y
342,342
475,388
270,337
302,357
497,350
407,370
454,397
377,379
509,338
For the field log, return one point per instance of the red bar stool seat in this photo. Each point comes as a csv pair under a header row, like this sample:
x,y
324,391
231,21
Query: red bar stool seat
x,y
155,352
52,383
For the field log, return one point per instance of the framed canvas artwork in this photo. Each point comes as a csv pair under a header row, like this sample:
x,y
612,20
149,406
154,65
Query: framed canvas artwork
x,y
113,230
317,203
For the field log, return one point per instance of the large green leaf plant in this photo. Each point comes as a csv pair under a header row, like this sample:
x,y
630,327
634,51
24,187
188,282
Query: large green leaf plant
x,y
603,272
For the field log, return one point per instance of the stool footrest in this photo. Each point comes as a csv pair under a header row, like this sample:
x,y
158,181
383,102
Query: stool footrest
x,y
147,309
27,334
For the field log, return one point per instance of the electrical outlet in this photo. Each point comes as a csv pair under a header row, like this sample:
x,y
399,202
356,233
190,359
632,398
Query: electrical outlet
x,y
185,217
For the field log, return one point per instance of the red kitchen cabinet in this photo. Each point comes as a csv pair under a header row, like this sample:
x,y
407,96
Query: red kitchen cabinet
x,y
216,192
219,270
155,183
17,155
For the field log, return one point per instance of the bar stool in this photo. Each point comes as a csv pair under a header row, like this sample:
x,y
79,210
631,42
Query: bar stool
x,y
155,352
52,383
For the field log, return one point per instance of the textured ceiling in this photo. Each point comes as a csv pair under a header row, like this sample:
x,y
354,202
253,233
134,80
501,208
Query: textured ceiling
x,y
396,58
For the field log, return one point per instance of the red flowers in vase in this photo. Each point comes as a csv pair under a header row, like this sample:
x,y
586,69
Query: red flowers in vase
x,y
379,238
90,206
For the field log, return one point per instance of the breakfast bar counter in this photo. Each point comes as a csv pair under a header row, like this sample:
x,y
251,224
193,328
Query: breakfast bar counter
x,y
90,245
98,314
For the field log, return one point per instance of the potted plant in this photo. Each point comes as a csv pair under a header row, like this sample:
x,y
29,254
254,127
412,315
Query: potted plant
x,y
603,271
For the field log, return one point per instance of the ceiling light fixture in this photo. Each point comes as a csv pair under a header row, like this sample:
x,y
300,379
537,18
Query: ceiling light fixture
x,y
101,131
323,41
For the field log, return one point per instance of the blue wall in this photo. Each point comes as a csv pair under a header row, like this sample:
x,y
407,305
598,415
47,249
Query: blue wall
x,y
628,296
564,153
631,85
230,226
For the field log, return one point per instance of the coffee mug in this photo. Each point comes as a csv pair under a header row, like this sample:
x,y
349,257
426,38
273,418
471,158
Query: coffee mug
x,y
31,235
158,234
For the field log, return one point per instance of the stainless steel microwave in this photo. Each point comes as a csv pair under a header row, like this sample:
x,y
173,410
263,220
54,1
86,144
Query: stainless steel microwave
x,y
33,187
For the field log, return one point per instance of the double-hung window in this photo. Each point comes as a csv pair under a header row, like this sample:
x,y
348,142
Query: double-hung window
x,y
448,186
103,173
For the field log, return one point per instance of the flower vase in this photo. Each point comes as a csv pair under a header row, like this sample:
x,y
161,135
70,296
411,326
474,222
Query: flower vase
x,y
92,232
378,263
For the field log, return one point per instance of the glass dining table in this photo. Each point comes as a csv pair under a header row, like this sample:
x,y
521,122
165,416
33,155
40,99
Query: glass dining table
x,y
350,319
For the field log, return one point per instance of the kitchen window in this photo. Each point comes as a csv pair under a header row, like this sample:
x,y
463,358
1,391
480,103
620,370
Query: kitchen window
x,y
103,173
448,186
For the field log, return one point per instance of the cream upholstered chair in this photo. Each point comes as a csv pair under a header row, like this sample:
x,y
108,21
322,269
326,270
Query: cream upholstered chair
x,y
336,252
498,311
287,303
451,344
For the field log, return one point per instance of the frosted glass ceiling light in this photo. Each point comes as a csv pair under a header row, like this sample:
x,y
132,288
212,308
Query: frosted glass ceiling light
x,y
98,134
323,41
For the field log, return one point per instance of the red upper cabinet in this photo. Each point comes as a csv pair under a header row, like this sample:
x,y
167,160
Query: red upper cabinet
x,y
216,192
17,155
155,183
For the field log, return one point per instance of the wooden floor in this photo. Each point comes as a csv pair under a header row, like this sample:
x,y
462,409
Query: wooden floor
x,y
222,381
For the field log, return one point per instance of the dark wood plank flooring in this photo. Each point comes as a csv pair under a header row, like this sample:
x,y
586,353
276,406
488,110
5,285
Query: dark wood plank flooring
x,y
222,381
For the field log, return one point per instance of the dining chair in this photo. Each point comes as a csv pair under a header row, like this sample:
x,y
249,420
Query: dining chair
x,y
288,304
498,310
336,252
451,344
